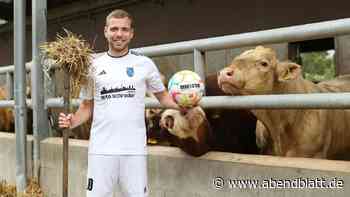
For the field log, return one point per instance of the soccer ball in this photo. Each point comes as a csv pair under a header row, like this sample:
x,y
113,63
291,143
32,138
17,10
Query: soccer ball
x,y
186,88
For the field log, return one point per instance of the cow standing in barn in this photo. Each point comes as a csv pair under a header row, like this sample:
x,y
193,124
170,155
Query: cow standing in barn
x,y
6,116
315,133
199,131
7,119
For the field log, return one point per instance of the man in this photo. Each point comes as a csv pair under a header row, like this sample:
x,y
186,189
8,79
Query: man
x,y
115,101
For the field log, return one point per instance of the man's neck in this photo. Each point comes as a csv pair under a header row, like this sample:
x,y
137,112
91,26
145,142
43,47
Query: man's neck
x,y
118,53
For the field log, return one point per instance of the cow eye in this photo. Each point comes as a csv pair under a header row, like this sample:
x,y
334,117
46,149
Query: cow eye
x,y
264,64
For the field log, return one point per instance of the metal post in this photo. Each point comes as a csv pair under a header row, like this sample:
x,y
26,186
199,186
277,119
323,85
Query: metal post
x,y
9,83
40,123
20,97
199,63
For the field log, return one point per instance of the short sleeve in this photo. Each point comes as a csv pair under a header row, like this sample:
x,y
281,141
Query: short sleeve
x,y
153,79
87,90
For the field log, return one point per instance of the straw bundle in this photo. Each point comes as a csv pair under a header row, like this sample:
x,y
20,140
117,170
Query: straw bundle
x,y
32,190
70,53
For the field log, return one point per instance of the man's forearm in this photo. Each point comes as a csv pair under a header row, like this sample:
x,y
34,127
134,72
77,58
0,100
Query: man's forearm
x,y
78,119
82,115
167,101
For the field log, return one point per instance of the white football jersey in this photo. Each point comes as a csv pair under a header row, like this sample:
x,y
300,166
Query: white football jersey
x,y
118,89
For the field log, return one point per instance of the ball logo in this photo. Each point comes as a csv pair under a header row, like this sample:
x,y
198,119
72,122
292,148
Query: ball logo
x,y
188,86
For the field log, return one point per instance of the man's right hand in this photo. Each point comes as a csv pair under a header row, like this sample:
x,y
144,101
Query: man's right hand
x,y
65,121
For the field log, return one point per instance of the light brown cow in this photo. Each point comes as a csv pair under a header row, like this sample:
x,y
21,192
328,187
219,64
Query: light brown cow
x,y
299,133
6,118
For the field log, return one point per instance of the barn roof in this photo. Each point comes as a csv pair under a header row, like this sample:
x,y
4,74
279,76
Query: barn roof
x,y
60,8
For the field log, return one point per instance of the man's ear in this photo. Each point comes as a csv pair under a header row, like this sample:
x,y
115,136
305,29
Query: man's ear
x,y
105,31
132,33
288,71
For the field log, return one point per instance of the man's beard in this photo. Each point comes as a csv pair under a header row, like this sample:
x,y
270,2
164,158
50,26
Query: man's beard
x,y
119,48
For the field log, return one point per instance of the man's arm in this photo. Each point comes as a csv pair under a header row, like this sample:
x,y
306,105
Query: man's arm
x,y
82,115
165,99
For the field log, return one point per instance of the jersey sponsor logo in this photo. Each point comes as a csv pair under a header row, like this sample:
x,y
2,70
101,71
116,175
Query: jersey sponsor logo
x,y
113,90
90,184
118,92
130,71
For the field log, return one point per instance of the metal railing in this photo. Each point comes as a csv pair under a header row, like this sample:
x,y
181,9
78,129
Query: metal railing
x,y
201,46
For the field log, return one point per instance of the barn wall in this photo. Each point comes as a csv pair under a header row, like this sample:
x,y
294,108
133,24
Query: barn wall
x,y
8,157
173,173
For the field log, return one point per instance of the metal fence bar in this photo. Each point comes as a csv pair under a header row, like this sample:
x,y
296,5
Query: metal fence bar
x,y
58,102
279,101
11,68
20,90
199,63
11,103
286,101
286,34
40,123
7,103
9,84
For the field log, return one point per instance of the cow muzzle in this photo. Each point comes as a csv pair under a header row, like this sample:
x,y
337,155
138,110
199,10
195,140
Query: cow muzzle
x,y
167,122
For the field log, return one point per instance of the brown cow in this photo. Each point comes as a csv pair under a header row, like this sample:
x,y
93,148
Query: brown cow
x,y
199,131
7,119
6,116
298,133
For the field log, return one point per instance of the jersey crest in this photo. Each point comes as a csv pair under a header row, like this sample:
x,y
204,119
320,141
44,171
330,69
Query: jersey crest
x,y
130,71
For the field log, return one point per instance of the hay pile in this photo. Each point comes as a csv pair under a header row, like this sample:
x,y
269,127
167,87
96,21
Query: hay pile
x,y
33,190
70,53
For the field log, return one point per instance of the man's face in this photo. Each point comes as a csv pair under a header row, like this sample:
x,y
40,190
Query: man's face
x,y
118,32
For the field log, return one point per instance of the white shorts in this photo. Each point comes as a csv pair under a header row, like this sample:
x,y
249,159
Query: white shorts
x,y
105,172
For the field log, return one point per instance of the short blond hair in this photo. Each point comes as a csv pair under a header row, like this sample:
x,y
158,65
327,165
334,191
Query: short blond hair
x,y
119,13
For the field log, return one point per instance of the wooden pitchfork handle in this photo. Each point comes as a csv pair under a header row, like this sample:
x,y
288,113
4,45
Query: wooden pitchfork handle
x,y
66,102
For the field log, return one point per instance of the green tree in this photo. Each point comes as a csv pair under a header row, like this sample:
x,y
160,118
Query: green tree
x,y
318,66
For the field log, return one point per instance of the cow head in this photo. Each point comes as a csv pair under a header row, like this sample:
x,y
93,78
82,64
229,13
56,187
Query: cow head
x,y
183,126
256,71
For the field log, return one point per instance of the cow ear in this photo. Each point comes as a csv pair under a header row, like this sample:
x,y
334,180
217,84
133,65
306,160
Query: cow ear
x,y
288,71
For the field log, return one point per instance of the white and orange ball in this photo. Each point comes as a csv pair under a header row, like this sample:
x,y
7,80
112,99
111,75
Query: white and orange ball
x,y
187,88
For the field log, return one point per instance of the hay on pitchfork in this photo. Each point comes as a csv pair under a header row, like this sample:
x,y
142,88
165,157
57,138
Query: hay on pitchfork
x,y
70,53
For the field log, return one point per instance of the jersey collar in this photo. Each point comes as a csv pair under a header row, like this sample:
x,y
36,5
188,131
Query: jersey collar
x,y
112,56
